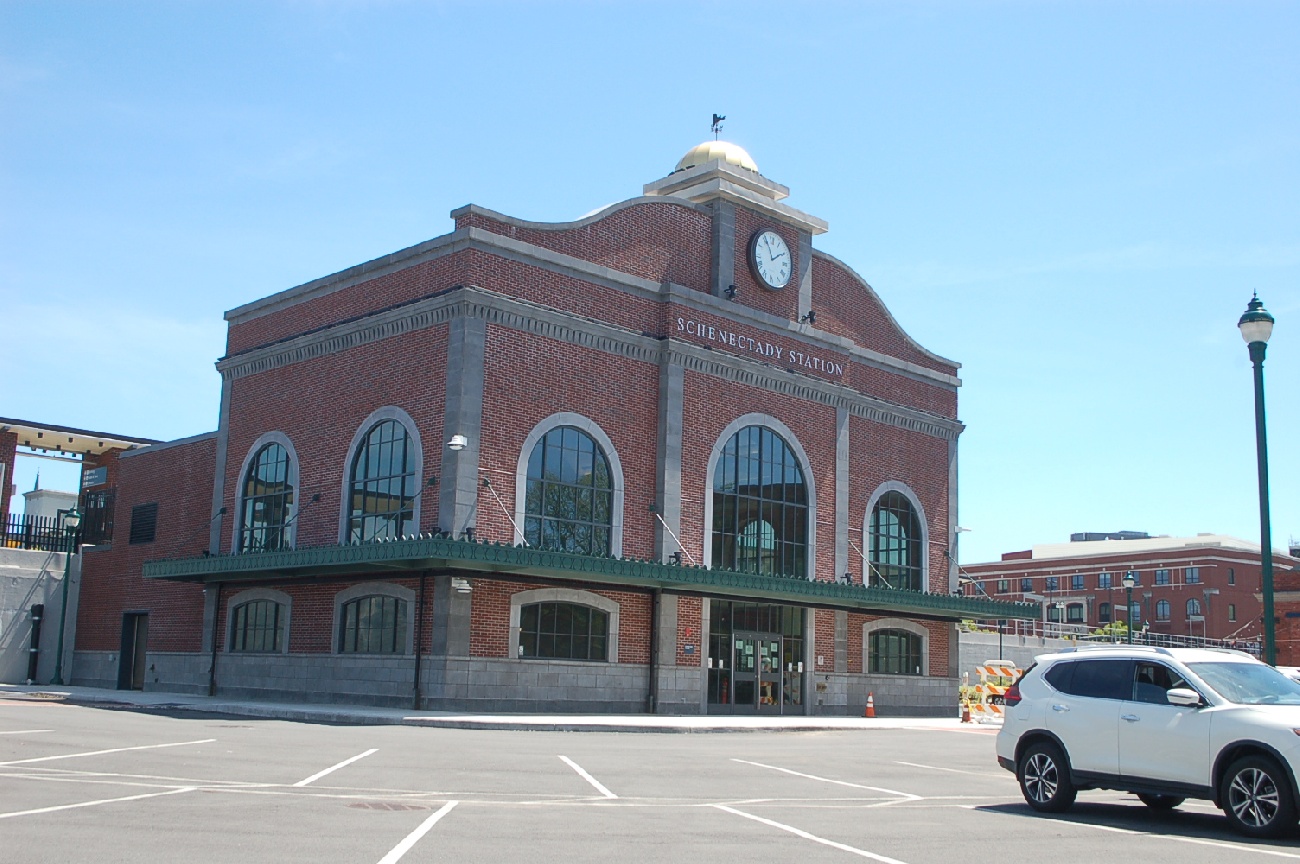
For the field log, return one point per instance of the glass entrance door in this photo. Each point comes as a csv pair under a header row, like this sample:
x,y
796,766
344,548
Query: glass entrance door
x,y
756,665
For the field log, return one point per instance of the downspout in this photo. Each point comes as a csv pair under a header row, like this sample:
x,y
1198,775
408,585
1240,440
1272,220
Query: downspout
x,y
212,667
419,629
34,652
652,696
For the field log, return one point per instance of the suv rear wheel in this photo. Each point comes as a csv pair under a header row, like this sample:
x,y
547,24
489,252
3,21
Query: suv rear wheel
x,y
1256,797
1045,778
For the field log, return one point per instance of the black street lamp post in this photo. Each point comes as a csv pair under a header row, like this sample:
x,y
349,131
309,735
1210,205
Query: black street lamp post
x,y
71,522
1256,326
1129,582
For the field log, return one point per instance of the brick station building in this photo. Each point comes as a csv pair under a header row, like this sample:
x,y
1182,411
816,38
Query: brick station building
x,y
664,458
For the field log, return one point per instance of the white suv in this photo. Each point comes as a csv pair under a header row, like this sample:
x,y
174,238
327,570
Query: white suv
x,y
1164,723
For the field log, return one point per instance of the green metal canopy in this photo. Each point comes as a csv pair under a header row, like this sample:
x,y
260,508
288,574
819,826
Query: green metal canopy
x,y
410,555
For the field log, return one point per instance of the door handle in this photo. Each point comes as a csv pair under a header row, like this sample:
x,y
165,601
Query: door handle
x,y
1060,707
1132,718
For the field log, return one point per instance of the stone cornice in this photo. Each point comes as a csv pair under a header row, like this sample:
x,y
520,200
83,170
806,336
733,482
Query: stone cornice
x,y
421,553
518,314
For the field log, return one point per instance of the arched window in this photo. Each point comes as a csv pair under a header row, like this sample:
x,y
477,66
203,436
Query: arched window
x,y
569,500
1162,610
1103,613
257,626
895,540
760,506
374,624
267,501
895,652
563,631
382,484
1193,607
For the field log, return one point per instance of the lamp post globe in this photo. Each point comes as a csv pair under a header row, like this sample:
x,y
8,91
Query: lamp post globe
x,y
1256,326
71,522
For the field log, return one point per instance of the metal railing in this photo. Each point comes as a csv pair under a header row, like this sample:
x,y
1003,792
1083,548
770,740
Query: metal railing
x,y
42,533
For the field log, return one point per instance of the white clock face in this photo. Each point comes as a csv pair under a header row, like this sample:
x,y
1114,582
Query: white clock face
x,y
771,259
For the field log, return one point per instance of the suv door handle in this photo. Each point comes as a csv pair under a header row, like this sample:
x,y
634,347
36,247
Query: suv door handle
x,y
1132,718
1060,707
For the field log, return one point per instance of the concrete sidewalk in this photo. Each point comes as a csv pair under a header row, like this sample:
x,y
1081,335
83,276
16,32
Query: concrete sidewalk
x,y
368,716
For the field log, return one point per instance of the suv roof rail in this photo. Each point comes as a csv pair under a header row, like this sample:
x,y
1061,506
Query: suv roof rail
x,y
1116,646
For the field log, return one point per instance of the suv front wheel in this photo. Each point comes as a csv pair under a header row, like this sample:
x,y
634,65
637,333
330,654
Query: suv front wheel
x,y
1045,778
1256,797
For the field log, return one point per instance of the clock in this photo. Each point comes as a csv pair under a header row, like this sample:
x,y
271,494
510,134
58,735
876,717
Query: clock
x,y
770,259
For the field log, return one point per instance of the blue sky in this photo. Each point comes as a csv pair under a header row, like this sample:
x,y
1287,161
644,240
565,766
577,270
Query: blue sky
x,y
1074,200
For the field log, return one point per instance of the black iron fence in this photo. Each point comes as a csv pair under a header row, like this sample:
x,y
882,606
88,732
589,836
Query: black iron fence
x,y
44,533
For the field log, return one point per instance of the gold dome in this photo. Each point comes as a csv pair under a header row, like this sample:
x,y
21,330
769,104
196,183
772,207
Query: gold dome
x,y
709,151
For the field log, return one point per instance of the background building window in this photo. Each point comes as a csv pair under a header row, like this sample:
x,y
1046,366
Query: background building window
x,y
1162,577
1162,610
257,626
1232,576
1076,582
760,506
1004,586
1193,607
1232,612
267,500
895,652
569,502
1103,613
1192,575
1074,613
373,625
1137,577
1026,586
563,631
1052,583
1103,580
383,485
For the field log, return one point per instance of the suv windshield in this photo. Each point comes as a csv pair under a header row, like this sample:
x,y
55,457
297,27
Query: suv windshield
x,y
1249,683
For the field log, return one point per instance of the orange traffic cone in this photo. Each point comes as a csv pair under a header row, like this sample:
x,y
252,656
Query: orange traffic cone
x,y
871,705
965,711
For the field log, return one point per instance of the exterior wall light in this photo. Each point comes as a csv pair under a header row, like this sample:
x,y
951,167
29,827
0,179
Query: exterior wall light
x,y
458,442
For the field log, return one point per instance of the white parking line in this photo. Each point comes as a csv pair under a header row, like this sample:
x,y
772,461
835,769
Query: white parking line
x,y
332,768
953,770
24,731
585,776
102,752
96,803
813,837
907,795
411,839
1197,841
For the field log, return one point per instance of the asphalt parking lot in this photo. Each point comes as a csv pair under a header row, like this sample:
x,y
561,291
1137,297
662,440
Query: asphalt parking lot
x,y
84,783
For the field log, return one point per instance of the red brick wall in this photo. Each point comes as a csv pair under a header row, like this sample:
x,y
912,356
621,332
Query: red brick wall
x,y
619,395
939,643
490,621
661,241
180,479
321,404
8,451
880,453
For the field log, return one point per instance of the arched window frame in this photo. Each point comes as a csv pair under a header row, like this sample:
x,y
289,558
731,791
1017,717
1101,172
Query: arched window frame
x,y
810,484
291,532
345,493
564,595
591,428
368,589
1103,613
922,520
912,627
1163,610
1193,608
249,596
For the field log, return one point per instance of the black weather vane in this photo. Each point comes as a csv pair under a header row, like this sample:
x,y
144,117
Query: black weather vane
x,y
717,124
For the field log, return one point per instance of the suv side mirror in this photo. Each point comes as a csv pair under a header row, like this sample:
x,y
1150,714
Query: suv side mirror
x,y
1183,696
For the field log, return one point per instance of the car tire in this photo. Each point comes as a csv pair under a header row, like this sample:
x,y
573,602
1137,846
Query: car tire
x,y
1256,797
1045,778
1160,802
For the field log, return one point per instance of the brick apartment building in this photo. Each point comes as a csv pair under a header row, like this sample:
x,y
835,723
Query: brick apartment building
x,y
1207,586
667,457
